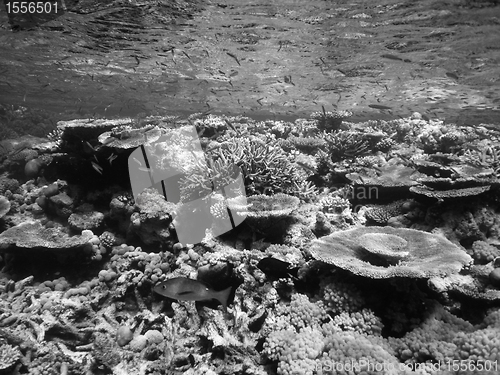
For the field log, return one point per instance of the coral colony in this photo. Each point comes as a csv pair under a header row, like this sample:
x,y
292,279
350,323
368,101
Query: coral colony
x,y
226,245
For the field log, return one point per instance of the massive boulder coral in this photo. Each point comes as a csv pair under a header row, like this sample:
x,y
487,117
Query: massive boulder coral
x,y
388,181
153,221
383,252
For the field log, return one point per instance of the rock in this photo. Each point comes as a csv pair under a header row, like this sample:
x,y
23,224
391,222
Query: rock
x,y
32,168
154,336
4,206
495,277
85,220
138,343
62,205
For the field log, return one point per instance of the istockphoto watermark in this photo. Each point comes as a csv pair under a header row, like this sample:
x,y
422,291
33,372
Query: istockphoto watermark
x,y
364,365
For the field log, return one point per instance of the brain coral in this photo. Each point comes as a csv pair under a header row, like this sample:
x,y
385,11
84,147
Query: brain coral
x,y
381,252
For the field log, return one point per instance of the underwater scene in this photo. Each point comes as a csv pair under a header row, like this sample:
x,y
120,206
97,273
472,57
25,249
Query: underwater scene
x,y
250,187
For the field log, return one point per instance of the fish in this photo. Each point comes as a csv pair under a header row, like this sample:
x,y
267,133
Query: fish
x,y
185,289
88,148
392,57
277,268
97,167
378,106
234,57
231,125
111,158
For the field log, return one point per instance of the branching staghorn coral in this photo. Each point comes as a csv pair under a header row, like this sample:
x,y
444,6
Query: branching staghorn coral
x,y
267,169
345,145
330,121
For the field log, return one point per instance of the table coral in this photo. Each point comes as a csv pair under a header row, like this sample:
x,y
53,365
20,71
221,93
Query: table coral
x,y
428,254
382,213
33,235
263,212
308,145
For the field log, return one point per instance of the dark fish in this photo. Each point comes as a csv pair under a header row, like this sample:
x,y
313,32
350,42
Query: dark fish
x,y
277,268
185,289
392,57
234,57
452,75
231,125
378,106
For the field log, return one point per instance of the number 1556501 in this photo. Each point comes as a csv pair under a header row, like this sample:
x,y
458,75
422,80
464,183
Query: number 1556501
x,y
25,7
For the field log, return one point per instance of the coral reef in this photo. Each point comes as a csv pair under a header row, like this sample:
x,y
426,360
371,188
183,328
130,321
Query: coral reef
x,y
81,254
33,235
445,337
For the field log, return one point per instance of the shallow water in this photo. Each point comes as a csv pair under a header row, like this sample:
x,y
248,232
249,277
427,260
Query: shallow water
x,y
277,59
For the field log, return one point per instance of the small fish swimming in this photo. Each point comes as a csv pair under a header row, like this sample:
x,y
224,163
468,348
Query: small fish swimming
x,y
277,268
111,158
97,167
88,148
378,106
392,57
185,289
